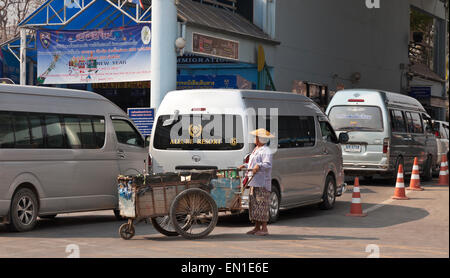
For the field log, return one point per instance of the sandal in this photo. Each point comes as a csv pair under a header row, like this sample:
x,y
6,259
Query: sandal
x,y
252,232
261,233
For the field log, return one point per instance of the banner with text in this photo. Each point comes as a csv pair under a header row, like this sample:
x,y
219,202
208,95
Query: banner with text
x,y
94,56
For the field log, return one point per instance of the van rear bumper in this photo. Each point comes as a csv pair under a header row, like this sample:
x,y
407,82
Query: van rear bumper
x,y
352,169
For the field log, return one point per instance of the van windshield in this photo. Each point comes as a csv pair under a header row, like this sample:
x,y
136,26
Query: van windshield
x,y
199,132
361,118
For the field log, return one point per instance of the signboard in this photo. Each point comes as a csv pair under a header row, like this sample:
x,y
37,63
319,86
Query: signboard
x,y
192,59
420,92
212,82
203,44
143,118
94,56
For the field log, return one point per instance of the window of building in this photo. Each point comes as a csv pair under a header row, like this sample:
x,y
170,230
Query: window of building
x,y
264,16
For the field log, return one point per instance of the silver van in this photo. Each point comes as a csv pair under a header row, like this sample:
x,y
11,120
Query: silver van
x,y
61,151
307,165
386,130
441,130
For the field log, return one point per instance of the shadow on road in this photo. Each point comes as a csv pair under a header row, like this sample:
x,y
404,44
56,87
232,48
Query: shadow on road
x,y
273,236
385,216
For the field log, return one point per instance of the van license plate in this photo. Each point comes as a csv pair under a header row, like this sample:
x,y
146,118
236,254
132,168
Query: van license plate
x,y
352,148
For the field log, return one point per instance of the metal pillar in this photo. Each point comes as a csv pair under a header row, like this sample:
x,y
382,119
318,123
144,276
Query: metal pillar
x,y
163,57
23,56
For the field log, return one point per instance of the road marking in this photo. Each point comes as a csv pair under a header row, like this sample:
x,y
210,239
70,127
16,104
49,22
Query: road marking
x,y
382,204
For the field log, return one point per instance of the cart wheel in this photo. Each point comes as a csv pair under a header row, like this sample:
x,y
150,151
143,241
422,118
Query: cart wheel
x,y
126,231
164,225
194,213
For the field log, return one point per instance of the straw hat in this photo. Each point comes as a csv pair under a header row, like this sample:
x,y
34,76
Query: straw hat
x,y
262,133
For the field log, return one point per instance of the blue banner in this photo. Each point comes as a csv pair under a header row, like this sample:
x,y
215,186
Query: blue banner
x,y
143,118
94,56
207,81
420,92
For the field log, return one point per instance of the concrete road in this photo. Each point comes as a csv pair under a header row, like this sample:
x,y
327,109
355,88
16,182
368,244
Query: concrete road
x,y
418,227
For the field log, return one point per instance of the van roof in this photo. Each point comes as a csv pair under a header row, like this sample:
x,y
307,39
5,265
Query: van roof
x,y
49,91
250,94
391,99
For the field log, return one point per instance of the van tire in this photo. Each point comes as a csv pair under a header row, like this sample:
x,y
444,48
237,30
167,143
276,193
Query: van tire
x,y
274,205
428,170
23,211
329,194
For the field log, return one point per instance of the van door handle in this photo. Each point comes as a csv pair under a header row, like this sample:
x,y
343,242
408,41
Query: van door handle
x,y
121,154
325,151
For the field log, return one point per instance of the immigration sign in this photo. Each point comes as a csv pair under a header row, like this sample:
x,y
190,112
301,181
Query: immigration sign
x,y
94,56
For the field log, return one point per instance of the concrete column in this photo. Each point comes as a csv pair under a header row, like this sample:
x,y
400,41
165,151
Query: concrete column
x,y
163,57
23,56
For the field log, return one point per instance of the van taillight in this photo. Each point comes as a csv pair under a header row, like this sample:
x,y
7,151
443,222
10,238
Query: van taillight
x,y
437,134
149,161
386,145
356,100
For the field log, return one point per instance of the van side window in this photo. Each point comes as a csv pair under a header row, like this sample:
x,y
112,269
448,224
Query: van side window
x,y
398,121
127,134
294,131
55,137
21,131
73,131
37,135
6,131
328,133
87,133
414,122
99,129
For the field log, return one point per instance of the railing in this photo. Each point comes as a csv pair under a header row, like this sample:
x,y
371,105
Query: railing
x,y
225,4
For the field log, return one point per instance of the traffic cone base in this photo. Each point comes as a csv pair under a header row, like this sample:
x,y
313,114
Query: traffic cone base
x,y
399,193
414,183
443,172
356,208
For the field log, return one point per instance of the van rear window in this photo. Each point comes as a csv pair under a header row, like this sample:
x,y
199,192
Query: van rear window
x,y
199,132
352,117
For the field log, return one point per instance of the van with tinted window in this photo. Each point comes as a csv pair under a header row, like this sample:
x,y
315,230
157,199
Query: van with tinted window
x,y
209,129
385,130
61,151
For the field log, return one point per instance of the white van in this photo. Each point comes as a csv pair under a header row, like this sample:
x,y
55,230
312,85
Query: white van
x,y
61,151
385,130
307,166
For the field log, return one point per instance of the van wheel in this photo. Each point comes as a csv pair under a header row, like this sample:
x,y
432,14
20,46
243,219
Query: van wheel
x,y
274,205
428,170
329,194
24,211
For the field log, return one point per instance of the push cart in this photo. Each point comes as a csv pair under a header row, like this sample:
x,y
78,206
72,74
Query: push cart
x,y
184,203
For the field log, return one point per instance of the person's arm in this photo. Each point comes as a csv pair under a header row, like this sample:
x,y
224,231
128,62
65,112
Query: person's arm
x,y
266,162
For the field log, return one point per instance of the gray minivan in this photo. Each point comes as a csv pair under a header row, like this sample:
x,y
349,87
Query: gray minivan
x,y
385,130
61,151
307,165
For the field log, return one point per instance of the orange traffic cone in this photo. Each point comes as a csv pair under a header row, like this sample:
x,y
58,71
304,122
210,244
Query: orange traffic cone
x,y
414,183
443,173
399,193
356,208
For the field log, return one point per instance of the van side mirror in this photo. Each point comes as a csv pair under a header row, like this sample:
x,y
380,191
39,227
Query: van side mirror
x,y
343,137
